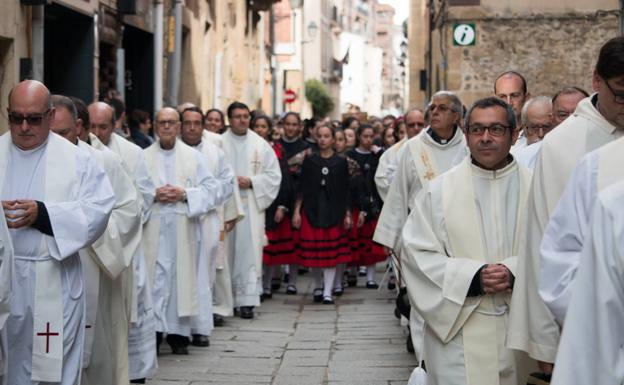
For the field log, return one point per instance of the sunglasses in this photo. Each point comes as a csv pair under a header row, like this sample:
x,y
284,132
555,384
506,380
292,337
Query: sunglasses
x,y
31,120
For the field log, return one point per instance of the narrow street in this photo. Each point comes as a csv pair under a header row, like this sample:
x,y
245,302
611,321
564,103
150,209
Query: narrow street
x,y
293,341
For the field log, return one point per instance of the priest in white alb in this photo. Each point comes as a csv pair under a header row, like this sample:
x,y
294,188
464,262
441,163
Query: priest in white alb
x,y
141,342
185,191
191,134
597,120
56,201
106,264
590,351
460,247
389,160
259,177
421,159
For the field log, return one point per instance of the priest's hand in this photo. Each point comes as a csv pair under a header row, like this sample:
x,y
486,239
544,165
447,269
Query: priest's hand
x,y
545,367
229,225
496,278
20,213
296,220
244,182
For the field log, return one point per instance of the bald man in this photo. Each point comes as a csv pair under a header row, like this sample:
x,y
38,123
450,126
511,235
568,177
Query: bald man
x,y
185,191
56,201
141,344
511,87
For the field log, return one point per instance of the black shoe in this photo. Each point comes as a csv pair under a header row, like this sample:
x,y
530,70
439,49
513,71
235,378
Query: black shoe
x,y
265,295
291,290
138,381
180,350
409,345
391,284
397,313
246,312
218,320
200,340
318,295
276,284
338,291
328,300
372,285
352,280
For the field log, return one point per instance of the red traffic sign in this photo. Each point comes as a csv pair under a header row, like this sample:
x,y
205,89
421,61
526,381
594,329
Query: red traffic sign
x,y
289,96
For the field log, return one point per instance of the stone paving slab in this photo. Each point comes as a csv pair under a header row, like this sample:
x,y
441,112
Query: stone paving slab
x,y
294,341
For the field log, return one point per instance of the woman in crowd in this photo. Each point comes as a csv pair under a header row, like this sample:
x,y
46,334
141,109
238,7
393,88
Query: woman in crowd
x,y
281,248
399,128
140,124
215,121
322,214
309,133
369,253
389,137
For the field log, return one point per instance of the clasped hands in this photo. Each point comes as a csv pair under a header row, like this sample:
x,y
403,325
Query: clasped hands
x,y
496,278
169,194
20,213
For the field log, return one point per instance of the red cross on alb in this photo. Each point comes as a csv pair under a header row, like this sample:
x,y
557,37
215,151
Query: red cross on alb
x,y
47,335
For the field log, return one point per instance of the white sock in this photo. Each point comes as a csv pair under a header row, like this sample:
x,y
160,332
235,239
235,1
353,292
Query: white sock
x,y
328,274
338,278
370,273
294,273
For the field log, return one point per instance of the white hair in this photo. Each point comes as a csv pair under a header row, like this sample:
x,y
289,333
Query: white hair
x,y
537,100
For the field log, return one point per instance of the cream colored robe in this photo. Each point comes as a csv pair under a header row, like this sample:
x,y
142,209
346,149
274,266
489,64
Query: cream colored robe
x,y
386,169
6,285
141,341
590,351
253,157
532,327
465,219
108,279
172,235
420,160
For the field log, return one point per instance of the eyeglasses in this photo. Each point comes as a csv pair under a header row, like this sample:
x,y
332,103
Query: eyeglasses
x,y
535,128
164,123
417,124
494,129
441,108
618,98
31,119
245,117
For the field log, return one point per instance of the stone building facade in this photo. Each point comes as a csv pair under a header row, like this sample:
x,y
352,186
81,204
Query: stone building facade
x,y
553,44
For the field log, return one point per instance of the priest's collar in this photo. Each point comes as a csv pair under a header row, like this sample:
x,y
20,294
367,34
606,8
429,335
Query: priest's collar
x,y
478,170
437,138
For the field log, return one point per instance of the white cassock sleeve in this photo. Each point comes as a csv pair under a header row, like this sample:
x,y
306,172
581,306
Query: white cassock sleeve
x,y
123,227
564,237
206,195
385,172
591,344
266,183
146,186
6,271
397,204
437,283
225,175
79,222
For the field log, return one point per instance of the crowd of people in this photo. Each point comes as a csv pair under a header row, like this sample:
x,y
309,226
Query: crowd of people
x,y
501,222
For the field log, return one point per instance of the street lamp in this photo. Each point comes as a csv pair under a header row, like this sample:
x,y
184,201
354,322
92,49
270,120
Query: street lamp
x,y
312,30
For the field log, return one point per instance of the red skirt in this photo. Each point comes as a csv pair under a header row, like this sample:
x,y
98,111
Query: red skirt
x,y
281,248
368,252
320,247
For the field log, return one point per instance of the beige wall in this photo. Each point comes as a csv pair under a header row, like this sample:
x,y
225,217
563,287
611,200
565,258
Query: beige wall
x,y
553,44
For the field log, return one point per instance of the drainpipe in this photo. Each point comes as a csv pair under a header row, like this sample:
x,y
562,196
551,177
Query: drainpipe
x,y
176,56
121,66
37,41
158,55
273,63
430,49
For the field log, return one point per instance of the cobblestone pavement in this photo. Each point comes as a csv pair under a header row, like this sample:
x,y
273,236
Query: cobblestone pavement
x,y
295,341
